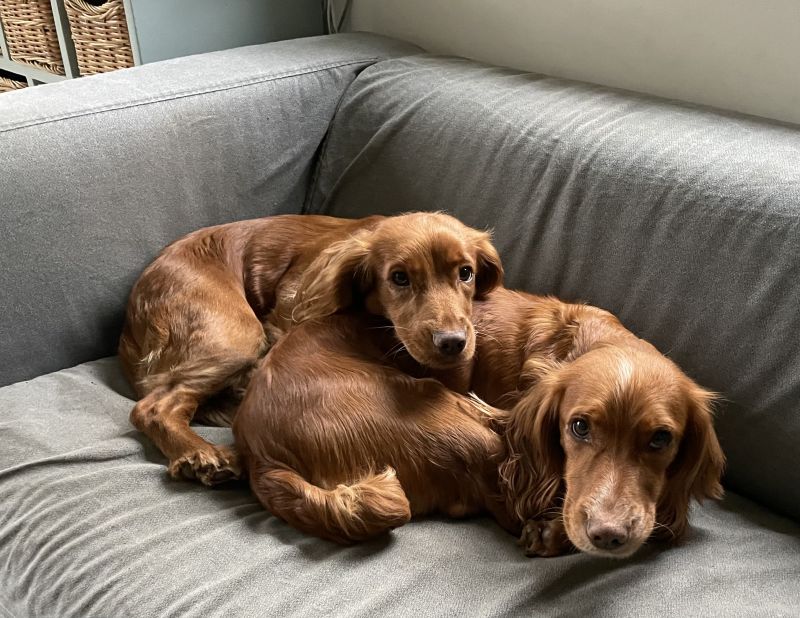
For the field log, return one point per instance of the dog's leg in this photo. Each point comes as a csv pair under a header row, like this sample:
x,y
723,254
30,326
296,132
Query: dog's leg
x,y
164,416
544,537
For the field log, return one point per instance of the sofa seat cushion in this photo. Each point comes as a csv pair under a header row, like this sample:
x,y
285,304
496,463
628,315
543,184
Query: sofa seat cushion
x,y
90,524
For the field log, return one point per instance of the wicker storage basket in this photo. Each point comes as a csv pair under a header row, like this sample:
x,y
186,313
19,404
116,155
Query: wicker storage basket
x,y
31,33
7,85
100,35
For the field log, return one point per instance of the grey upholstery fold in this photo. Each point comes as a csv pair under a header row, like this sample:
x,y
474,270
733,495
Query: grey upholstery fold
x,y
683,221
98,174
90,525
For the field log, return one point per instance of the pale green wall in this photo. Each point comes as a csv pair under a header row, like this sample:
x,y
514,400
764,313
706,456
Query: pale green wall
x,y
736,54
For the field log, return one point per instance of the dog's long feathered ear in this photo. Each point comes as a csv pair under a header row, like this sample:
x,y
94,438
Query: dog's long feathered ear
x,y
531,477
328,283
489,273
697,468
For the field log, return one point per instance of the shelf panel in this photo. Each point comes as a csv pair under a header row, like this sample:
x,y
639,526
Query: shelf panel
x,y
64,38
29,71
3,46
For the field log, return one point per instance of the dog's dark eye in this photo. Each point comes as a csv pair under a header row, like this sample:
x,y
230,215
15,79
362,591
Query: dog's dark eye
x,y
465,273
400,278
580,428
661,439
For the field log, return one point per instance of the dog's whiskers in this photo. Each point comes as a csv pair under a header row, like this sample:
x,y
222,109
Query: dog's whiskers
x,y
389,327
663,527
394,350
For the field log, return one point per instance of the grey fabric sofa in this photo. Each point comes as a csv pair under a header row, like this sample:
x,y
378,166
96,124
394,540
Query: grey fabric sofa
x,y
683,221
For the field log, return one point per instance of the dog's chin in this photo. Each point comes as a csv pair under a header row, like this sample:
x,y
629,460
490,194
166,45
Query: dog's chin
x,y
582,543
626,551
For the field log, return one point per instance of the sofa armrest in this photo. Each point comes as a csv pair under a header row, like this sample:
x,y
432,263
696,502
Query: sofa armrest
x,y
98,174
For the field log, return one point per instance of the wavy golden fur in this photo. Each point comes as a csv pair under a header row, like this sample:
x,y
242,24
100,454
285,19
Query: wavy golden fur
x,y
345,440
212,303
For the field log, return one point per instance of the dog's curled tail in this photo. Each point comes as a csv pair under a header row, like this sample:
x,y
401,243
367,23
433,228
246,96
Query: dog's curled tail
x,y
346,514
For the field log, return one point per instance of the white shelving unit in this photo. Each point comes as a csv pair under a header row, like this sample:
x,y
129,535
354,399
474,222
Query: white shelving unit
x,y
35,75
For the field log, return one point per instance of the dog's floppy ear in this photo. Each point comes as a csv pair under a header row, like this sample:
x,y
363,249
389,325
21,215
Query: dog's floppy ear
x,y
697,468
489,269
328,283
531,476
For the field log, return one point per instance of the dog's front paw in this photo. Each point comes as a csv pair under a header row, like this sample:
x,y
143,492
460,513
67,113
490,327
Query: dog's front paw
x,y
544,537
211,466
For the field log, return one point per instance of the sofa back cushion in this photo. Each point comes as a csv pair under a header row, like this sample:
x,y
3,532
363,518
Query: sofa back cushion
x,y
683,221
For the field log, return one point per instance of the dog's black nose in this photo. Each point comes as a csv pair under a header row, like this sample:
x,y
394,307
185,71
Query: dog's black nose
x,y
607,536
450,342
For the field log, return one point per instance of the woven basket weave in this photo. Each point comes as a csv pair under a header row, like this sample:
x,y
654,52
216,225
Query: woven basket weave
x,y
7,85
31,33
100,34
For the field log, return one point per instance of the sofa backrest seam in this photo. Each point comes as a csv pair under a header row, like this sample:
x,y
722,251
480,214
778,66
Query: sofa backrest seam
x,y
219,87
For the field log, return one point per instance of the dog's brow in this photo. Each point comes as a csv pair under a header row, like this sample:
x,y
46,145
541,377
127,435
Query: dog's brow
x,y
449,254
659,420
435,253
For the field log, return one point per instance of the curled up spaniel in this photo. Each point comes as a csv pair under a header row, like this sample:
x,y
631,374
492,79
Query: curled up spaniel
x,y
604,442
209,306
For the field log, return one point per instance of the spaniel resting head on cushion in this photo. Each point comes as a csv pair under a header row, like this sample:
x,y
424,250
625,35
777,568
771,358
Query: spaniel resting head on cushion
x,y
615,441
